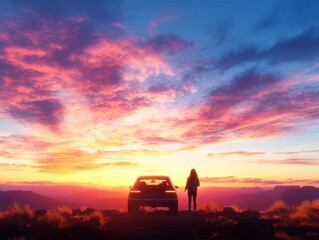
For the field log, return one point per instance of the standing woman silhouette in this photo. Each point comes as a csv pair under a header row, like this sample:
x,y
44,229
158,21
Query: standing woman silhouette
x,y
191,185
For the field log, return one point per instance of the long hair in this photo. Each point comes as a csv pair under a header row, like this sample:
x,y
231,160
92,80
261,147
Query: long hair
x,y
193,174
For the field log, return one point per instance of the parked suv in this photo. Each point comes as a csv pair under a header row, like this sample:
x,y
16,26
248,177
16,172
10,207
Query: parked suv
x,y
154,191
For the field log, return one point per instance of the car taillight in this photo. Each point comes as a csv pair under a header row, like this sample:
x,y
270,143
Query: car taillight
x,y
135,191
170,191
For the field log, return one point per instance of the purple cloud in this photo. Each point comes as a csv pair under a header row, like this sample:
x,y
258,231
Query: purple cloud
x,y
242,88
101,77
302,47
160,88
253,105
47,112
167,43
247,82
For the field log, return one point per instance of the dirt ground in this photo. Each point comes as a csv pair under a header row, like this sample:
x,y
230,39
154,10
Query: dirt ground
x,y
159,225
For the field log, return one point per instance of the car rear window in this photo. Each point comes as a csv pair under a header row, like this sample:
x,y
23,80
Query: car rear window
x,y
153,183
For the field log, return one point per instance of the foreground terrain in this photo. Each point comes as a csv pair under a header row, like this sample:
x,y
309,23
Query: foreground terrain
x,y
211,222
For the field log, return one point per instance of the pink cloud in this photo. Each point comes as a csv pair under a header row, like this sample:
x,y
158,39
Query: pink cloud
x,y
238,153
6,154
61,58
287,153
120,26
26,147
288,161
239,110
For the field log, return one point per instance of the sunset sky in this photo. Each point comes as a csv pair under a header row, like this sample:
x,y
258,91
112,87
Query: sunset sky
x,y
100,92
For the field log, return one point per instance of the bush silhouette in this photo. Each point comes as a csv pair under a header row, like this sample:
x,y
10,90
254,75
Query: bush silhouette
x,y
18,221
17,215
279,221
95,220
306,214
210,207
279,210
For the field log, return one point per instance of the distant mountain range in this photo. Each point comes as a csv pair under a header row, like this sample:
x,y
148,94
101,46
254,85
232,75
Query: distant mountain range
x,y
97,199
259,199
297,195
246,198
34,200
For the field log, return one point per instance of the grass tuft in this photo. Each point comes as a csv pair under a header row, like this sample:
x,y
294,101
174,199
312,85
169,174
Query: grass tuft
x,y
210,207
279,210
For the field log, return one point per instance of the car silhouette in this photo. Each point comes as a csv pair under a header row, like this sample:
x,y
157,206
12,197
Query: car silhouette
x,y
153,191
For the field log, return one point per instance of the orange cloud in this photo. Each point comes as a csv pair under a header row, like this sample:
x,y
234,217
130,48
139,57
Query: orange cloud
x,y
68,160
15,166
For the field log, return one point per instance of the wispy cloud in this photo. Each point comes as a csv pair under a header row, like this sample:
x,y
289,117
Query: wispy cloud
x,y
286,153
248,153
255,181
253,105
288,161
235,153
311,151
167,43
15,167
234,180
153,25
302,47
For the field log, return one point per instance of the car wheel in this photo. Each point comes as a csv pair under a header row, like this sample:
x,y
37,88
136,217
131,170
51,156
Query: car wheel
x,y
132,208
174,208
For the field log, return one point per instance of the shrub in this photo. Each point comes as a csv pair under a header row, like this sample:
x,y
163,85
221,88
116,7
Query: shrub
x,y
83,209
95,220
306,214
64,210
236,208
17,215
278,210
210,207
17,222
53,219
